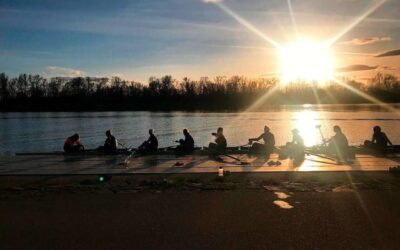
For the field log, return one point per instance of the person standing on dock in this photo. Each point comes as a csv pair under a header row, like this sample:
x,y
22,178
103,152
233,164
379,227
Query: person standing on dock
x,y
110,145
269,142
219,145
73,144
379,141
339,145
150,145
185,145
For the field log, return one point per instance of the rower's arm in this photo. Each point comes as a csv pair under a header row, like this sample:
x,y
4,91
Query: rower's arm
x,y
256,139
327,140
387,139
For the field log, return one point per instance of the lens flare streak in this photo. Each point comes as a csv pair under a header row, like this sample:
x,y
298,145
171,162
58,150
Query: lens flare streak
x,y
358,20
246,24
367,97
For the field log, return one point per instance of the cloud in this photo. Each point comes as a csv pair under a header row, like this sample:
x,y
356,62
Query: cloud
x,y
395,52
366,40
356,67
60,71
213,1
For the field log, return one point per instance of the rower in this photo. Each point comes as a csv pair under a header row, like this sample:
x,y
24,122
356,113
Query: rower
x,y
295,148
339,145
73,145
185,145
219,144
150,145
297,140
269,142
110,145
379,141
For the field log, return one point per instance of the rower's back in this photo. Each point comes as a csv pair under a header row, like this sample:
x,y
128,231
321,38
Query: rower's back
x,y
220,140
269,139
110,145
381,139
298,140
340,140
189,142
72,144
153,143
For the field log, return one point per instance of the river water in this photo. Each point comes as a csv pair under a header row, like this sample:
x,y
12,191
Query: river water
x,y
46,131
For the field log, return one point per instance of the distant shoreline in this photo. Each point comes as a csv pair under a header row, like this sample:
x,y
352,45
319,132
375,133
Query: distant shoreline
x,y
266,108
35,93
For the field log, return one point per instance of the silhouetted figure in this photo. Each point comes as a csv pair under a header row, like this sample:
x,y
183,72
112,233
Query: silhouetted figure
x,y
73,145
379,140
186,145
269,142
294,149
338,145
297,144
150,145
219,144
110,145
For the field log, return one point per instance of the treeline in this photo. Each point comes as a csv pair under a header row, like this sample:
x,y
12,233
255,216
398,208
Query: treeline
x,y
36,93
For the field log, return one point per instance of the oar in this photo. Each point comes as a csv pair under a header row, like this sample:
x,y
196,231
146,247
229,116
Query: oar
x,y
321,156
235,158
244,146
128,158
169,147
322,135
134,153
230,156
122,144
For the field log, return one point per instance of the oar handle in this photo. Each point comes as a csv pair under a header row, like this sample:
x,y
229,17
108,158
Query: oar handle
x,y
221,153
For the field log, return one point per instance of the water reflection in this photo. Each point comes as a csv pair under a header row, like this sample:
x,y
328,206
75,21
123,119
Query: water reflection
x,y
47,131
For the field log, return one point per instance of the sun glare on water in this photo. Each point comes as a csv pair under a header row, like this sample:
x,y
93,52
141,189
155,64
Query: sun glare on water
x,y
306,60
306,122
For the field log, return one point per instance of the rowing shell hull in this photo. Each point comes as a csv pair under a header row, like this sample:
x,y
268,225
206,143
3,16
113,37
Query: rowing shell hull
x,y
201,151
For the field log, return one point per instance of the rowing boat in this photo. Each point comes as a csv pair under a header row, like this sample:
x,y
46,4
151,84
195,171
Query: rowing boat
x,y
204,151
160,151
358,150
87,152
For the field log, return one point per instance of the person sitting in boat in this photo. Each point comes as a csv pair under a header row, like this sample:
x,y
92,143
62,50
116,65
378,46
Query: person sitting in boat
x,y
338,144
110,145
295,148
185,145
379,141
219,144
150,145
269,142
73,145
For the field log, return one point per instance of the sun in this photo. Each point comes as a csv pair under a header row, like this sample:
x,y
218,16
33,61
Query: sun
x,y
306,60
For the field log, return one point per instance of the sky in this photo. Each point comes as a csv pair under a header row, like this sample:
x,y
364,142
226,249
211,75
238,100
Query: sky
x,y
136,39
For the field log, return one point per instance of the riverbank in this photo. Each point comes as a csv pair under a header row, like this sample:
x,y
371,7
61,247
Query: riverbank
x,y
241,211
280,181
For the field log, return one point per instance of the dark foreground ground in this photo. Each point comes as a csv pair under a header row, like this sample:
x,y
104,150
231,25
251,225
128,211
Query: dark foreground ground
x,y
338,211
